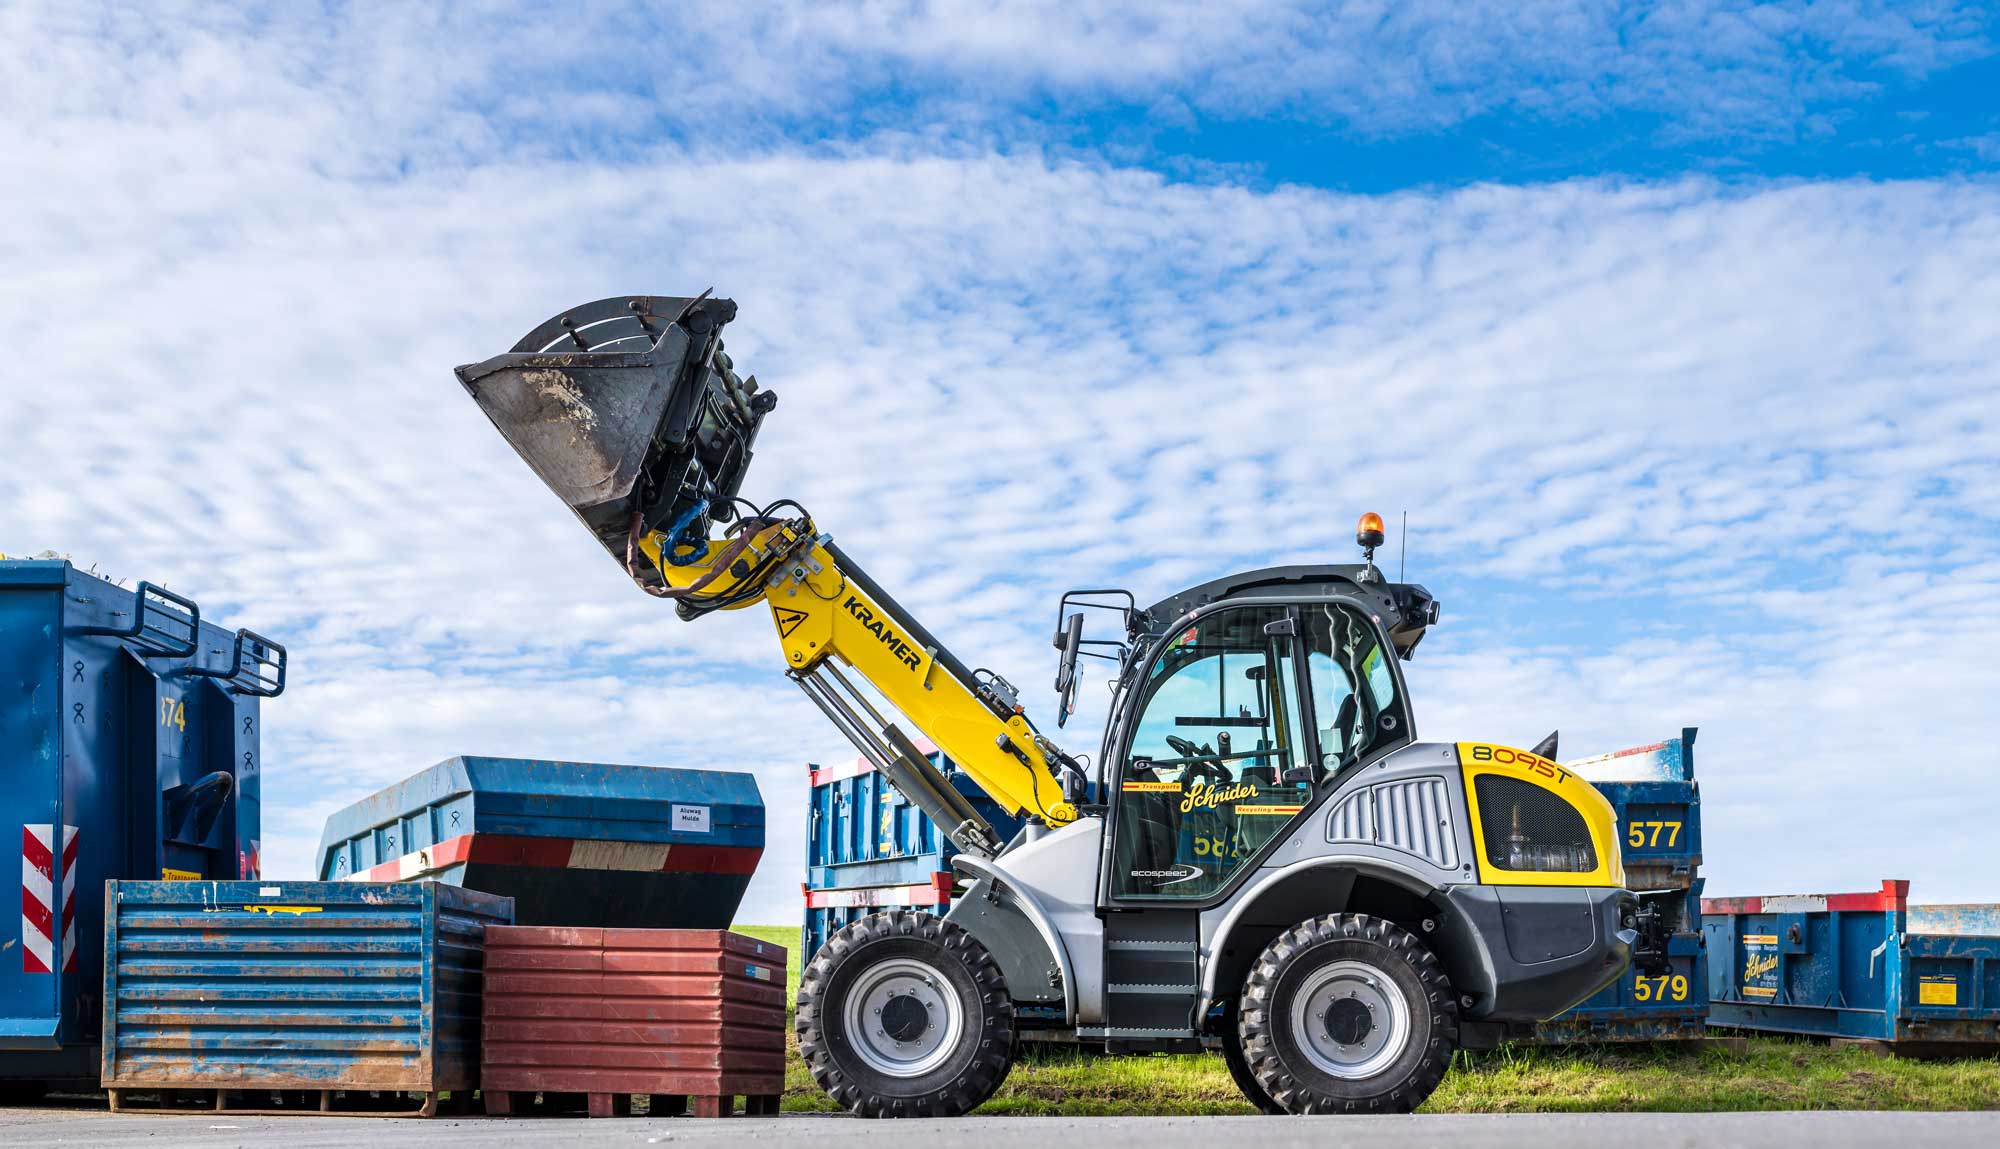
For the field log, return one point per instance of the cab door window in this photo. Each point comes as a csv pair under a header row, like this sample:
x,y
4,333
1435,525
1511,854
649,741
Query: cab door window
x,y
1354,693
1217,762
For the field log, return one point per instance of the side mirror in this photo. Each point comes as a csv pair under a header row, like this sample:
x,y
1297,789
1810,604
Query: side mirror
x,y
1069,641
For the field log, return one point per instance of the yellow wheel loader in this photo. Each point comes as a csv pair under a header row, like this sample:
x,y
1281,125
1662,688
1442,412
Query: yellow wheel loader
x,y
1263,859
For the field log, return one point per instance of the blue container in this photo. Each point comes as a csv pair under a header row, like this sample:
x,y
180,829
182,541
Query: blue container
x,y
1856,966
868,848
1658,803
573,843
293,985
128,749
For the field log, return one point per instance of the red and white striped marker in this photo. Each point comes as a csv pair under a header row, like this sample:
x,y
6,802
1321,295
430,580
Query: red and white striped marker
x,y
936,892
45,914
38,876
69,900
563,854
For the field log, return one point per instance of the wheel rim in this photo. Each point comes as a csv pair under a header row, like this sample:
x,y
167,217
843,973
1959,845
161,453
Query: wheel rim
x,y
1350,1020
903,1018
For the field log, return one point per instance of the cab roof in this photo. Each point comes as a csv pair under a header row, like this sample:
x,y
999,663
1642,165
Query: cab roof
x,y
1406,609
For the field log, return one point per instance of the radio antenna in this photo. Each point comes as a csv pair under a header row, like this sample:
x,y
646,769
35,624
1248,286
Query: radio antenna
x,y
1403,547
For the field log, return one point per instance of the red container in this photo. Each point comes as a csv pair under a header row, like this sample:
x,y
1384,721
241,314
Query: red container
x,y
608,1013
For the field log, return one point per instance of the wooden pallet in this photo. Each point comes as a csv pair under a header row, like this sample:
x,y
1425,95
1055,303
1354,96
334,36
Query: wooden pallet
x,y
292,1102
511,1103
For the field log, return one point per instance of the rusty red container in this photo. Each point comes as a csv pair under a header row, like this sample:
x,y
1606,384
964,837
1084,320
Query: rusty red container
x,y
676,1014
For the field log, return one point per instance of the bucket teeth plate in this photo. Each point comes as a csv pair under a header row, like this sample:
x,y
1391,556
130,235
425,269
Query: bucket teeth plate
x,y
627,405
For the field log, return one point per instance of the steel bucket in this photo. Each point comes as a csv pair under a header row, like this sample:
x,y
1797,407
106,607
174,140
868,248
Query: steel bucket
x,y
630,411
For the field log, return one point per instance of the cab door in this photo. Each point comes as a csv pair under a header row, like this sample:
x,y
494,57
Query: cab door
x,y
1217,760
1238,723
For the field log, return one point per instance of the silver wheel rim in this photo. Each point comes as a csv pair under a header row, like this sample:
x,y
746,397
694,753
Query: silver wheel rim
x,y
1340,993
908,990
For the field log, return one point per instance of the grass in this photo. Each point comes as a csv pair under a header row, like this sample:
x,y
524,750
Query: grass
x,y
1770,1073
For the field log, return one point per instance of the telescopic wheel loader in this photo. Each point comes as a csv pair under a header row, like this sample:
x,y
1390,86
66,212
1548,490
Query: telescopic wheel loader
x,y
1264,858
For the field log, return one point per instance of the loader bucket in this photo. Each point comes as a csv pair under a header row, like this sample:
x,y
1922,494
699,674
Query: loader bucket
x,y
628,407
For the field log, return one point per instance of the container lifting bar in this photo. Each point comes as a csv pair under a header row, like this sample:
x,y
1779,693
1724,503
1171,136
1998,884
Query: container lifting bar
x,y
163,643
262,675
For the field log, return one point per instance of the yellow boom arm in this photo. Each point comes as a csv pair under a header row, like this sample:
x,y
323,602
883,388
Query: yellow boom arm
x,y
831,617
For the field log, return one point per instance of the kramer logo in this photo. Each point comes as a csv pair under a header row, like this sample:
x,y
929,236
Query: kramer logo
x,y
908,655
1179,874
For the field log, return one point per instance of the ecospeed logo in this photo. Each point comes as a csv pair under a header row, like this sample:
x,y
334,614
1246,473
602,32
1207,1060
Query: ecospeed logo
x,y
1173,877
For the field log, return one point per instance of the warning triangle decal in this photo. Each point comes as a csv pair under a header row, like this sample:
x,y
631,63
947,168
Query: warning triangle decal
x,y
788,620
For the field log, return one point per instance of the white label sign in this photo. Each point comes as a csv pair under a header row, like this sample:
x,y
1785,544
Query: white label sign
x,y
691,819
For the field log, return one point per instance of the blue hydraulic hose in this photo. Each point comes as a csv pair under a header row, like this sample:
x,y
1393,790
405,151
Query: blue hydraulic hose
x,y
672,551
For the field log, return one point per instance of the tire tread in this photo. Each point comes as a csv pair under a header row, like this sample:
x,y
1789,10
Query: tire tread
x,y
1294,1091
980,1077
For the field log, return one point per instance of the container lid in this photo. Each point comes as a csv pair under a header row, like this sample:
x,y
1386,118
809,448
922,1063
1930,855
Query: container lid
x,y
1669,761
578,800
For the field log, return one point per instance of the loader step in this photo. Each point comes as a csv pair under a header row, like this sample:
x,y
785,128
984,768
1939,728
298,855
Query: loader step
x,y
1152,975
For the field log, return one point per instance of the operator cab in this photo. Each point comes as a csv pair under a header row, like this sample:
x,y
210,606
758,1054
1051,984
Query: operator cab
x,y
1239,703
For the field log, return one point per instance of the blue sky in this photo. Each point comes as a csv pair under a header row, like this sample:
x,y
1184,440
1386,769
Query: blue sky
x,y
1673,327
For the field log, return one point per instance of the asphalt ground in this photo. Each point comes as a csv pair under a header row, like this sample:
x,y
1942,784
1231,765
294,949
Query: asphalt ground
x,y
1819,1130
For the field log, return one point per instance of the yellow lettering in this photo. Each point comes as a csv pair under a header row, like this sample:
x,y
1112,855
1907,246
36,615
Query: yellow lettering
x,y
1207,796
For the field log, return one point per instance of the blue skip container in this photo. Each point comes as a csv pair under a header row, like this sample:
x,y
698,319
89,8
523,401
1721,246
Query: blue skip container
x,y
324,987
129,748
1868,966
1653,791
573,843
869,849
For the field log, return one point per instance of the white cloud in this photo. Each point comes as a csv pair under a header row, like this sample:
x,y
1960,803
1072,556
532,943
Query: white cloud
x,y
1673,453
375,86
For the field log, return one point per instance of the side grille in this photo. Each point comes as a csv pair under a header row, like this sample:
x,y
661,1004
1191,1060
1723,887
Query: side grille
x,y
1529,828
1413,816
1352,820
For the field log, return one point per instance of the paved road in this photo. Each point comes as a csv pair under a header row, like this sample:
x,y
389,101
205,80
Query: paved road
x,y
1818,1130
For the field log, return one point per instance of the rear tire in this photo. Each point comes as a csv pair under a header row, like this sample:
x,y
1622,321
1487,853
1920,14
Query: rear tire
x,y
904,1014
1348,1013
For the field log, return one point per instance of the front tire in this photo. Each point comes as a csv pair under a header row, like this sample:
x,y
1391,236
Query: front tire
x,y
904,1014
1239,1064
1348,1013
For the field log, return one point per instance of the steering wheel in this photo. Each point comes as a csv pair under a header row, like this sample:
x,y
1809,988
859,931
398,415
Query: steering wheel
x,y
1202,759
